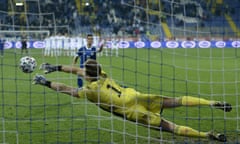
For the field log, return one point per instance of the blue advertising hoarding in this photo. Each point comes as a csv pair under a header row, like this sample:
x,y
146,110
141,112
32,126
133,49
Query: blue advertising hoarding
x,y
146,44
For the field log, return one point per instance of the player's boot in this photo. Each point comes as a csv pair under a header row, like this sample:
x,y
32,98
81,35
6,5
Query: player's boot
x,y
48,68
39,79
217,136
223,106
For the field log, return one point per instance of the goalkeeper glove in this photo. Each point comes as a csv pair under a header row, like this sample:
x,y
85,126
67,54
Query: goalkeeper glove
x,y
48,68
40,79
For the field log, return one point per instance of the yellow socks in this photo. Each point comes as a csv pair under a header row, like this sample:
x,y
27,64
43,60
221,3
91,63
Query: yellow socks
x,y
194,101
189,132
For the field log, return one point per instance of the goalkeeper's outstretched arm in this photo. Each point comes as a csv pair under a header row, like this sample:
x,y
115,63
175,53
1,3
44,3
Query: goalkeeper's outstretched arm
x,y
59,87
48,68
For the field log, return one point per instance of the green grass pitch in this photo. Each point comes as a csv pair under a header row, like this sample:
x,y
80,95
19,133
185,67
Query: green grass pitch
x,y
33,114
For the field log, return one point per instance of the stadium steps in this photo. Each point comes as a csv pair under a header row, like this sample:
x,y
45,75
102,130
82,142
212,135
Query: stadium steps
x,y
78,5
215,4
166,30
11,10
232,24
213,9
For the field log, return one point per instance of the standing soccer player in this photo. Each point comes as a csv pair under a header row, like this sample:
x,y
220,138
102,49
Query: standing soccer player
x,y
86,52
114,46
48,45
24,44
2,41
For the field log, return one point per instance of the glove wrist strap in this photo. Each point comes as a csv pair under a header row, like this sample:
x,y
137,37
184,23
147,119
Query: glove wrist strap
x,y
59,68
48,84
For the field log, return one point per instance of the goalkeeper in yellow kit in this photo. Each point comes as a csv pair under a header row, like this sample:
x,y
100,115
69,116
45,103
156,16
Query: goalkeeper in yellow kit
x,y
127,102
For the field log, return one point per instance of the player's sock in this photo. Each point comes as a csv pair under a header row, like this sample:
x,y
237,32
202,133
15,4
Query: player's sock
x,y
193,101
189,132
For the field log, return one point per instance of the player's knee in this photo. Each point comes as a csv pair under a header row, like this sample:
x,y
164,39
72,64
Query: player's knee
x,y
151,120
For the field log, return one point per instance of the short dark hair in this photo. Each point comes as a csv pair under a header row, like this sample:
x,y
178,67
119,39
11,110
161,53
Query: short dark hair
x,y
92,68
89,35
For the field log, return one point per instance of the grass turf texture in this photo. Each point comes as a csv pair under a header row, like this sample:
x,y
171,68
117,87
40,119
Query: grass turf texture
x,y
34,114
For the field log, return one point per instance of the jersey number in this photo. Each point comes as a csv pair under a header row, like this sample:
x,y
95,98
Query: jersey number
x,y
114,89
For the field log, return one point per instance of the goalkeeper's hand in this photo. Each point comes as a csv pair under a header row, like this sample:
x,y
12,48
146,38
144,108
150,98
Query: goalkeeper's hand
x,y
48,68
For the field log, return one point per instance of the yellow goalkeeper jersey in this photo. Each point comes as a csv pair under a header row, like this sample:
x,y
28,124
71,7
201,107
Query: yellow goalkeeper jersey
x,y
125,102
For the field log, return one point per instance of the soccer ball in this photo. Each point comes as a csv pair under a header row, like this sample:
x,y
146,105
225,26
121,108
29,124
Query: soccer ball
x,y
27,64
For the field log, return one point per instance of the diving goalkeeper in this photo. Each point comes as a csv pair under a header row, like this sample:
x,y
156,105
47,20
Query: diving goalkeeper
x,y
127,102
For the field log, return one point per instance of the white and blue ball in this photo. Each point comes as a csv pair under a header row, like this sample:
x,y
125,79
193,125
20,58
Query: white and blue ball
x,y
28,64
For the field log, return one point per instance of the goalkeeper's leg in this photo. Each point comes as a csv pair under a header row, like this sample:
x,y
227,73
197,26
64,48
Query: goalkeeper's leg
x,y
195,101
190,132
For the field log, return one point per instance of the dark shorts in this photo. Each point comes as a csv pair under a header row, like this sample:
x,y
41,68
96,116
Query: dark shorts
x,y
24,45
